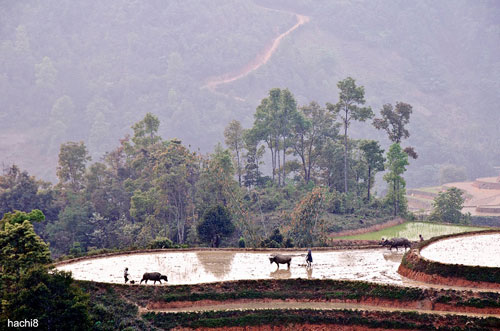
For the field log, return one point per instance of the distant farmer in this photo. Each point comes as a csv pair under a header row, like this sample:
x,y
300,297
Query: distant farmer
x,y
421,238
125,275
216,241
309,258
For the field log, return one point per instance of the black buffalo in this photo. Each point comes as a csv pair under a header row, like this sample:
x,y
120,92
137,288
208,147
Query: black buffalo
x,y
156,276
396,242
281,259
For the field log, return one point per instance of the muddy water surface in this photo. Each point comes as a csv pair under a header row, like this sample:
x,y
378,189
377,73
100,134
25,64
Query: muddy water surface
x,y
477,250
192,267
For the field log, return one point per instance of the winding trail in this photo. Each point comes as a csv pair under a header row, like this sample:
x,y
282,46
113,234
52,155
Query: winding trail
x,y
262,58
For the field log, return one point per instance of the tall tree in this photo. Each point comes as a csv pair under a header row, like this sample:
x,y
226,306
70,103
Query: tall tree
x,y
22,249
253,156
331,165
73,157
63,110
146,131
234,141
273,123
397,160
216,185
306,224
28,291
448,207
140,152
265,125
394,121
176,173
72,226
348,107
375,160
288,115
310,133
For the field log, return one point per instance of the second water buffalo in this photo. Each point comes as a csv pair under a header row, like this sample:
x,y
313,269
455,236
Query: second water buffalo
x,y
281,259
155,276
396,242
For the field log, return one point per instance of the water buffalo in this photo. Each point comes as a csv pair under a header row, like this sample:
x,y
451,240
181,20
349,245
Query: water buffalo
x,y
281,259
396,242
156,276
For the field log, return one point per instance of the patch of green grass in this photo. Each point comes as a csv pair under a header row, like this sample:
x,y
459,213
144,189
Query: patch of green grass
x,y
411,230
293,318
431,189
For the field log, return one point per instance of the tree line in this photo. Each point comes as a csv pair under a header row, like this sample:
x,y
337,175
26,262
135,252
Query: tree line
x,y
310,135
152,191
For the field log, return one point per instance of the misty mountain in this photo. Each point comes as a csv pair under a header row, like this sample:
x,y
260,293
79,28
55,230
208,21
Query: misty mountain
x,y
89,70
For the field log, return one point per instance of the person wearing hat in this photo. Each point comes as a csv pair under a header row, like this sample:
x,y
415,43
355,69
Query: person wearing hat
x,y
125,275
309,258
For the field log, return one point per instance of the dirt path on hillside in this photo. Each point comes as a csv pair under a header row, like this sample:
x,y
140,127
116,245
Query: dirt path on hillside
x,y
262,58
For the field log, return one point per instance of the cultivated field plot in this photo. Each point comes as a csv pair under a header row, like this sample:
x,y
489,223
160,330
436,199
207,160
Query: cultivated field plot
x,y
411,230
192,267
478,250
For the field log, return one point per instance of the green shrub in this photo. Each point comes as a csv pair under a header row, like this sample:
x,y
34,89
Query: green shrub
x,y
161,242
241,243
77,249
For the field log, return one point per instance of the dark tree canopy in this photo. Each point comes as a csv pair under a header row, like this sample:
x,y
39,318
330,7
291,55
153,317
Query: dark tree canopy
x,y
448,207
20,191
374,158
73,157
348,108
394,120
27,289
51,298
216,222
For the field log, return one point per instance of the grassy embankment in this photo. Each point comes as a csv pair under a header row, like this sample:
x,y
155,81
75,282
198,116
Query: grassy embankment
x,y
411,230
413,261
117,306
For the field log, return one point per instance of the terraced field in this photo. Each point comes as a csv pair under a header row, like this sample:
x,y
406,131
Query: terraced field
x,y
411,230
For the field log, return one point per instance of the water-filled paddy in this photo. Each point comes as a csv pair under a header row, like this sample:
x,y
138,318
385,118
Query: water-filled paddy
x,y
191,267
411,230
477,250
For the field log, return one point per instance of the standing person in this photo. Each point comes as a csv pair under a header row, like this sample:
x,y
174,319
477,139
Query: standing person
x,y
125,275
309,258
421,238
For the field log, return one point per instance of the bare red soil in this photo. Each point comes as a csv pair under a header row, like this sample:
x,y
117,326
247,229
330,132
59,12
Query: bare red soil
x,y
449,281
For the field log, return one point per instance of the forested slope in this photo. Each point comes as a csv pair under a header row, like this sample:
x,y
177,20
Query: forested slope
x,y
89,70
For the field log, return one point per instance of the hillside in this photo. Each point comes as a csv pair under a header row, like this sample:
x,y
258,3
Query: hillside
x,y
482,197
88,71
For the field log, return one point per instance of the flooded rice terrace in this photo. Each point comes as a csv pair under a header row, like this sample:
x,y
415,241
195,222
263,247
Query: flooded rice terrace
x,y
192,267
477,250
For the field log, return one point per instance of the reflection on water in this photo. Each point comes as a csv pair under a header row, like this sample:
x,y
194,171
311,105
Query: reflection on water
x,y
348,258
281,274
218,263
194,267
393,256
309,272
